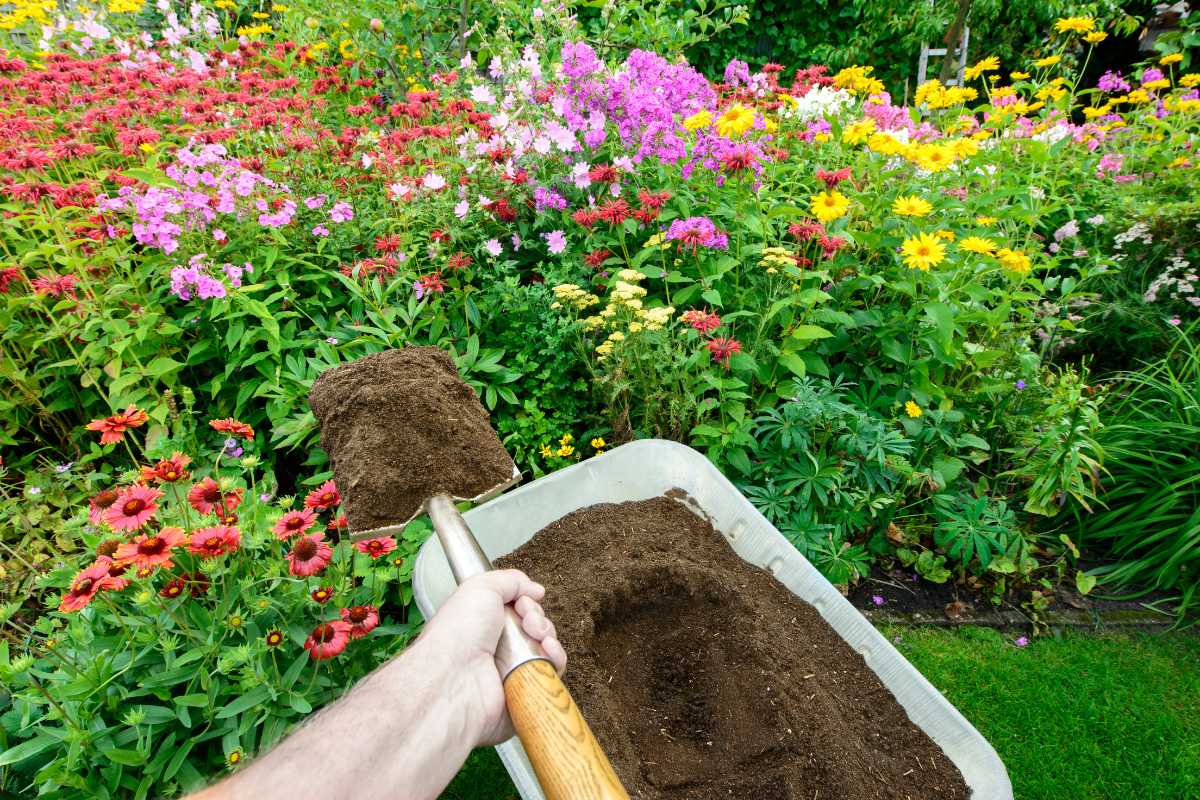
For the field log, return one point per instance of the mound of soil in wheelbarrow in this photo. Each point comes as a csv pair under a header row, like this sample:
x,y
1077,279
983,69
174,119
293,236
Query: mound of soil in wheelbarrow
x,y
401,426
703,677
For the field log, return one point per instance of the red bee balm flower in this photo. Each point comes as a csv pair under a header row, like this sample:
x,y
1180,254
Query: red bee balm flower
x,y
233,428
112,429
133,508
324,496
723,348
377,547
832,179
362,619
207,497
293,522
216,541
327,640
309,555
151,550
703,321
86,584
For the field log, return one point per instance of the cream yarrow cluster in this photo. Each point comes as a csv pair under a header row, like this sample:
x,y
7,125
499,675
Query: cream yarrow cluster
x,y
775,258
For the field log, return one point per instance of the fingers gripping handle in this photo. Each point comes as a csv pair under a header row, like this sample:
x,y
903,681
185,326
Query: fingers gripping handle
x,y
564,752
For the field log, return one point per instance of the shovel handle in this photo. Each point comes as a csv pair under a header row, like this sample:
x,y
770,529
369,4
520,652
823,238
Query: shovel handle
x,y
564,752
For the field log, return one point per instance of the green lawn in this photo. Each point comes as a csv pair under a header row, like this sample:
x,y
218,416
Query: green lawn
x,y
1082,716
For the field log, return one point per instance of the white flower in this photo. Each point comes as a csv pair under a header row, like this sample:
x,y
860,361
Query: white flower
x,y
482,94
399,190
461,209
493,247
432,181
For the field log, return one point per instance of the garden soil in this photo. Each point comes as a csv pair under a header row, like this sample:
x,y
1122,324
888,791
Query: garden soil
x,y
705,678
401,426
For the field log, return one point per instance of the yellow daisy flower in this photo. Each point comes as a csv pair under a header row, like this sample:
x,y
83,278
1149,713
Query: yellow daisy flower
x,y
1014,260
1095,37
911,206
828,206
1075,25
977,244
912,409
701,119
1048,61
1171,58
923,252
989,64
736,120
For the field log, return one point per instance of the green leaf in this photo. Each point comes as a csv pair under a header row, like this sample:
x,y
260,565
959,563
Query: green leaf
x,y
794,363
299,704
252,698
1084,582
130,758
712,297
28,749
807,333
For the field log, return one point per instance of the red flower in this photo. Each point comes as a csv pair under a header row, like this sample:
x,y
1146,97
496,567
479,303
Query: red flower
x,y
338,523
293,522
309,555
173,588
703,321
614,212
133,508
215,541
207,497
596,258
378,547
459,261
832,179
806,230
168,470
151,550
327,640
586,217
389,244
654,200
723,348
86,584
429,283
53,285
362,619
233,428
112,429
273,638
604,173
323,497
739,158
322,594
100,503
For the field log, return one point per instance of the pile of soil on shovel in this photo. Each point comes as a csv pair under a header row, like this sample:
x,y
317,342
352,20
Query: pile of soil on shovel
x,y
705,678
400,426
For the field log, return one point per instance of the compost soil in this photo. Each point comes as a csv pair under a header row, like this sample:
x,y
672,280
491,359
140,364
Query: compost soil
x,y
705,678
400,426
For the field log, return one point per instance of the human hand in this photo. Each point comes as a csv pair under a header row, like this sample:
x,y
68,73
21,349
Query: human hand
x,y
462,637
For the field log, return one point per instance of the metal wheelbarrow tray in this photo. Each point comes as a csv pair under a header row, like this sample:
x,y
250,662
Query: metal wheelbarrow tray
x,y
651,468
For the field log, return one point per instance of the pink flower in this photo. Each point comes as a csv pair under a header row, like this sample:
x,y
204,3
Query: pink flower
x,y
327,640
556,240
461,209
1021,641
362,620
293,522
316,201
133,508
216,541
877,599
378,547
341,212
320,230
493,247
433,182
309,555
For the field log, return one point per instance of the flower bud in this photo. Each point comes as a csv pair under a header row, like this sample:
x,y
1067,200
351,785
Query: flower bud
x,y
376,24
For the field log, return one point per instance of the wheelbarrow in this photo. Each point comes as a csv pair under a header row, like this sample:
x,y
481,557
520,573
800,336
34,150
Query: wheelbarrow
x,y
651,468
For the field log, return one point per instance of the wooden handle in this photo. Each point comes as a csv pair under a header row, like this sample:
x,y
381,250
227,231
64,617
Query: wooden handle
x,y
562,748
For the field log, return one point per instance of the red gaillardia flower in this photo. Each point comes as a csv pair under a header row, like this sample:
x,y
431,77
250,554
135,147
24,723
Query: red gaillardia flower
x,y
100,503
723,348
324,496
207,497
112,429
293,522
168,470
86,584
322,594
151,550
233,428
378,547
215,541
173,588
273,638
133,508
362,619
309,555
338,523
327,640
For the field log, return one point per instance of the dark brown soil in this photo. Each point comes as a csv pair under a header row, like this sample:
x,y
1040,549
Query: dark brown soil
x,y
400,426
705,678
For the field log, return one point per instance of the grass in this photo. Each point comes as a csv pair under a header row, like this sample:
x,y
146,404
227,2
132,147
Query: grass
x,y
1080,716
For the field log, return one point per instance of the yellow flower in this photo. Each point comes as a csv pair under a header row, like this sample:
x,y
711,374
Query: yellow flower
x,y
1075,25
989,64
546,451
977,244
564,451
736,120
1095,37
260,15
566,439
1014,260
598,442
1171,58
701,119
347,48
1048,61
911,206
1138,97
225,4
279,8
1017,75
1190,80
934,157
922,252
982,220
858,80
885,144
235,621
948,236
822,138
858,131
964,148
912,409
234,758
125,6
830,205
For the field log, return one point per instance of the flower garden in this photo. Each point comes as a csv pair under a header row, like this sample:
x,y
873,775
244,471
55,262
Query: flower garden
x,y
937,333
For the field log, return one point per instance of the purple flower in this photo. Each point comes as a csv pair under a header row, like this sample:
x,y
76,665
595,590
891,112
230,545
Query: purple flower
x,y
219,235
320,230
1021,641
61,468
331,340
556,240
516,242
1019,385
737,73
316,201
418,289
548,199
493,247
696,232
877,599
341,212
1112,82
1152,74
231,448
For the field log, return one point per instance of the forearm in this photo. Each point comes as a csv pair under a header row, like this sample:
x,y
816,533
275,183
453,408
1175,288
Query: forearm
x,y
401,733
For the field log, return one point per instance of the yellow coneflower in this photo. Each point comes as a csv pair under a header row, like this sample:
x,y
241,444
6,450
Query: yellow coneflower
x,y
923,252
